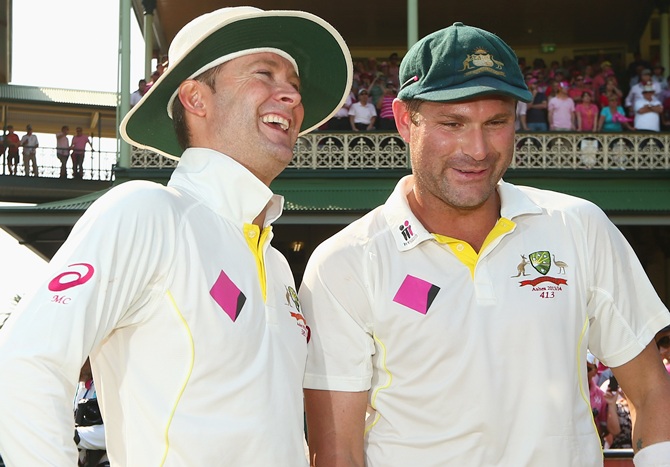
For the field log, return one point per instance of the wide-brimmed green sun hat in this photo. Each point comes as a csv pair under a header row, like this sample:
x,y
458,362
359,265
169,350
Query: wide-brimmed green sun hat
x,y
322,58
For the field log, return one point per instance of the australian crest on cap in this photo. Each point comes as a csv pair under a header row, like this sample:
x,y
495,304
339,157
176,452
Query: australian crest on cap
x,y
481,60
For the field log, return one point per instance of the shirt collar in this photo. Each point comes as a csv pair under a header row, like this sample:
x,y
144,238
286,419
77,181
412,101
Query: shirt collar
x,y
408,232
406,229
225,186
515,202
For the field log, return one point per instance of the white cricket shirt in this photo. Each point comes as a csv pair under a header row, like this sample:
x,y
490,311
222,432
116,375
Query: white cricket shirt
x,y
196,337
477,360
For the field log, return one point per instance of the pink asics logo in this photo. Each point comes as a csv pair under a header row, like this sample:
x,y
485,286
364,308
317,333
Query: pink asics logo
x,y
72,278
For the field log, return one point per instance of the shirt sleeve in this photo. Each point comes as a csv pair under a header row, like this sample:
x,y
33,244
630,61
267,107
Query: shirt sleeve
x,y
625,312
335,300
95,283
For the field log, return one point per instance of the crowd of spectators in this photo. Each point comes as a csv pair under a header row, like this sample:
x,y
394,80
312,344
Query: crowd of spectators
x,y
573,96
368,106
594,97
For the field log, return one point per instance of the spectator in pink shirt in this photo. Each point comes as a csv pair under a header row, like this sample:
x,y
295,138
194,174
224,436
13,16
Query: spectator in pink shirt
x,y
79,142
561,110
587,113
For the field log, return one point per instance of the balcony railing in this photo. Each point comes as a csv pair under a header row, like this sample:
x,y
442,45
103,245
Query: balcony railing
x,y
98,165
545,151
383,151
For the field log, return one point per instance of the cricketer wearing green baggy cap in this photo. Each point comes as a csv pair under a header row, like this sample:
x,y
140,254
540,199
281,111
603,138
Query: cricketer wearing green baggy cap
x,y
449,327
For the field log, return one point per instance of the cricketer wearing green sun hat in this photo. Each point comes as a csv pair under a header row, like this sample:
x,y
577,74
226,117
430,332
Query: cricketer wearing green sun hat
x,y
316,49
458,63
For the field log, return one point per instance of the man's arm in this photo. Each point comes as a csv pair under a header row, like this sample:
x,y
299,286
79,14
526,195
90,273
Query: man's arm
x,y
335,427
647,386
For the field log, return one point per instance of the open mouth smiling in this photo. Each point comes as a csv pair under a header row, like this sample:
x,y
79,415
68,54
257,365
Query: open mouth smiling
x,y
276,120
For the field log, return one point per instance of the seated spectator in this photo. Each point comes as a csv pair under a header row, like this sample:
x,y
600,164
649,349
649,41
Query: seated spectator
x,y
561,110
385,108
587,113
362,114
648,110
613,117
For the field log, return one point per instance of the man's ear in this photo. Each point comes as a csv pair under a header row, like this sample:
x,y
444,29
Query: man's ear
x,y
190,94
403,119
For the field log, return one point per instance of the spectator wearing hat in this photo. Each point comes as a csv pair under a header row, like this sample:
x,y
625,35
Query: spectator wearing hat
x,y
561,110
362,114
648,110
635,92
421,346
191,317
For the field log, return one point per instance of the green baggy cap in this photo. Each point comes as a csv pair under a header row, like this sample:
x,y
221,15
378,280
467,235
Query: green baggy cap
x,y
461,62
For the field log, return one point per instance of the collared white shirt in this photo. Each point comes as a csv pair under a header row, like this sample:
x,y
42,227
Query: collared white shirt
x,y
477,359
196,337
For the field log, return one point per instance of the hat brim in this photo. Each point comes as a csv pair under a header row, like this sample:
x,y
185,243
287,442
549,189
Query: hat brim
x,y
477,87
323,59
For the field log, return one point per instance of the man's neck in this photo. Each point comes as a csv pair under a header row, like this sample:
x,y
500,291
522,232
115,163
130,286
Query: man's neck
x,y
469,225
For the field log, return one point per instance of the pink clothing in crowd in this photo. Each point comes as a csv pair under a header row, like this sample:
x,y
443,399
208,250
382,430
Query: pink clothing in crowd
x,y
79,142
386,110
589,114
562,113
